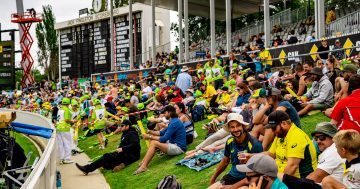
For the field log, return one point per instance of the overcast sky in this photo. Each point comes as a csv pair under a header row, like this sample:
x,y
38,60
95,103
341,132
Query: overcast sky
x,y
63,10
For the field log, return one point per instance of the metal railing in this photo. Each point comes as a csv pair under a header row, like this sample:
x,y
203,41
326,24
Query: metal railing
x,y
283,18
344,25
43,175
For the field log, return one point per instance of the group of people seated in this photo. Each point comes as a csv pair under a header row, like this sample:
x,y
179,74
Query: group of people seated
x,y
255,120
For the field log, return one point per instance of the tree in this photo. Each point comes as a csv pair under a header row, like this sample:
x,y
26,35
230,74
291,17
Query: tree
x,y
48,53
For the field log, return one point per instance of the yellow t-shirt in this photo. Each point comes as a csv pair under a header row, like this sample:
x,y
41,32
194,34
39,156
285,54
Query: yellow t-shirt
x,y
266,55
330,16
210,91
296,144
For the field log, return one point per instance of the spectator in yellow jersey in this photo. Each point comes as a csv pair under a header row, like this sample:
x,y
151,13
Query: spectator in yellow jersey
x,y
293,150
265,56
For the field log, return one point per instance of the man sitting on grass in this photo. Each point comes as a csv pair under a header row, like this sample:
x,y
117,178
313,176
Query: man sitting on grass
x,y
241,142
171,140
294,152
321,94
127,152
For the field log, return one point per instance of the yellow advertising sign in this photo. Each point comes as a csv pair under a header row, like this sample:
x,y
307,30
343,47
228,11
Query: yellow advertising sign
x,y
1,49
314,49
282,57
348,44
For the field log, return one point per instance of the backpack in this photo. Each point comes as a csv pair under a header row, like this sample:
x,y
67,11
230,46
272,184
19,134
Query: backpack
x,y
169,182
198,113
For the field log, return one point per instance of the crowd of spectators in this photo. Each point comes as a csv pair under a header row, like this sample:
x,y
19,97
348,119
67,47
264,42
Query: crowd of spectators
x,y
255,112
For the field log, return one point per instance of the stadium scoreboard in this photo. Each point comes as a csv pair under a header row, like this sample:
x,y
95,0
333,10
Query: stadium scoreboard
x,y
85,48
7,64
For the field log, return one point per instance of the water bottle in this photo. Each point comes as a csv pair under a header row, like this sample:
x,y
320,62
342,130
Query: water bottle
x,y
58,179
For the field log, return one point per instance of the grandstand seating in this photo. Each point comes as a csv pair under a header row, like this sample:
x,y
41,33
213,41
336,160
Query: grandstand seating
x,y
235,36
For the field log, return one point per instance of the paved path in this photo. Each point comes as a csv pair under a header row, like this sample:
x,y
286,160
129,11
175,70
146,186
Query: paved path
x,y
72,178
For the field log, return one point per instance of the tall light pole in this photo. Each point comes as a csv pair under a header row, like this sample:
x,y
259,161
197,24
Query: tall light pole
x,y
111,37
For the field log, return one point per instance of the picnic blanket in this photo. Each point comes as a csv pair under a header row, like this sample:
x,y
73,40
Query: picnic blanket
x,y
202,161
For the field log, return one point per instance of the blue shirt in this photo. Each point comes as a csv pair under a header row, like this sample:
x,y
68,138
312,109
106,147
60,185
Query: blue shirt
x,y
183,81
277,184
175,133
251,145
242,99
291,111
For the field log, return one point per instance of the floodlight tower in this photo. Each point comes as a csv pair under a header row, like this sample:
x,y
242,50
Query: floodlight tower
x,y
25,20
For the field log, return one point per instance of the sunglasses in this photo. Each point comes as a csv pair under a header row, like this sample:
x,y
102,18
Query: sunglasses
x,y
248,177
320,137
274,128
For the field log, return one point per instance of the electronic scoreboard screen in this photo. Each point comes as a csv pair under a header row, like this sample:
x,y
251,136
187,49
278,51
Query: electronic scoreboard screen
x,y
7,64
85,49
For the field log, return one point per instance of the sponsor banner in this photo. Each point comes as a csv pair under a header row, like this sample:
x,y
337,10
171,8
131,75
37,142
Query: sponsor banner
x,y
284,56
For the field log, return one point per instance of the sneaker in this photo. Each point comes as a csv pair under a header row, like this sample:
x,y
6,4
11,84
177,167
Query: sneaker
x,y
119,168
67,161
82,169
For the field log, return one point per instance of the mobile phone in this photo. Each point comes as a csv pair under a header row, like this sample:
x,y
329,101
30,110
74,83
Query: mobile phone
x,y
264,182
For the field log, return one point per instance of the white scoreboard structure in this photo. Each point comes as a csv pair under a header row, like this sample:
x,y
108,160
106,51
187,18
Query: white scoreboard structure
x,y
84,43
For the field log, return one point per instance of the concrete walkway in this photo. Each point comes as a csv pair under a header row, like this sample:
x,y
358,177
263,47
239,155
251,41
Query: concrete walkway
x,y
72,178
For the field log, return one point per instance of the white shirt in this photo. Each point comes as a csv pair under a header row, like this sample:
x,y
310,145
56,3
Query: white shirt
x,y
147,90
351,177
331,162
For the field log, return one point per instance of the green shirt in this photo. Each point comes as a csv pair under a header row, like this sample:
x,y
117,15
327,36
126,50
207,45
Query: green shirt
x,y
63,115
98,116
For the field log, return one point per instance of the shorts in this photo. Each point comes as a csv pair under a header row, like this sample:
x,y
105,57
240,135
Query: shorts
x,y
173,149
229,180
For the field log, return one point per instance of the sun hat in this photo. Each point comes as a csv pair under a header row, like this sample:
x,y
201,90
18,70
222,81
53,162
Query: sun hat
x,y
234,117
184,69
326,128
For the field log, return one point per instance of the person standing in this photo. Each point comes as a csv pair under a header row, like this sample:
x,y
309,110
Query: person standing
x,y
323,53
63,136
184,80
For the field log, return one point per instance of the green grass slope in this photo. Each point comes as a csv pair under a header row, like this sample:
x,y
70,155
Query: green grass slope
x,y
165,165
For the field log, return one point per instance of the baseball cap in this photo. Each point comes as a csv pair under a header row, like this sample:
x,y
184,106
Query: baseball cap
x,y
126,122
260,163
275,118
326,128
269,92
234,117
350,68
259,93
337,41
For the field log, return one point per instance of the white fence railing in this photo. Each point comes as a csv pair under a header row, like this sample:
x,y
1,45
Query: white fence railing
x,y
43,175
282,18
346,24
